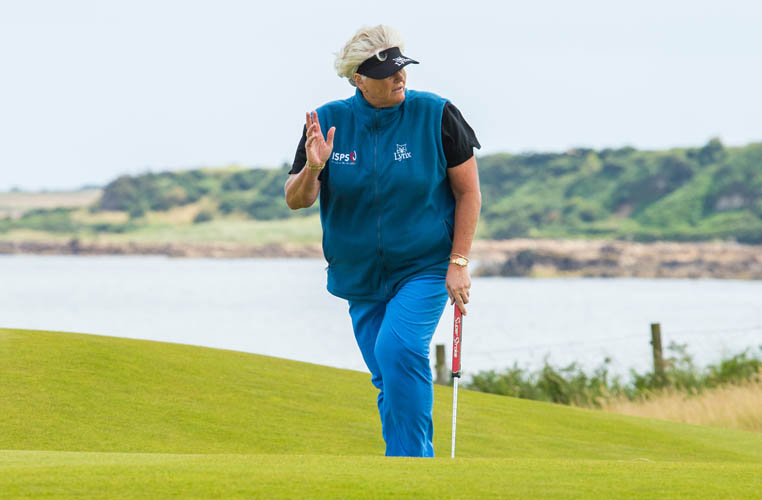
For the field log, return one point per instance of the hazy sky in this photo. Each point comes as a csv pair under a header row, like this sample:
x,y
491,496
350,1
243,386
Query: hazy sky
x,y
92,90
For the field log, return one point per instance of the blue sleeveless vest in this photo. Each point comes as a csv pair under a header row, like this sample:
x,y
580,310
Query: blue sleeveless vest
x,y
386,205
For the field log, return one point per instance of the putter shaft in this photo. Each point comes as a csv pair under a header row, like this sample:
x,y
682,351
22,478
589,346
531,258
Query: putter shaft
x,y
457,337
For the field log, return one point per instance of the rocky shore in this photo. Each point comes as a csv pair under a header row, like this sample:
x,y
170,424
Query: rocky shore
x,y
617,259
518,257
199,250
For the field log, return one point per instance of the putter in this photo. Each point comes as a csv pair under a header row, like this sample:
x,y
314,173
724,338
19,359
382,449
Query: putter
x,y
457,333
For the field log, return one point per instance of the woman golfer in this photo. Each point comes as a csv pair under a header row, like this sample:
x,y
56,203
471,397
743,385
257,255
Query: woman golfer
x,y
399,205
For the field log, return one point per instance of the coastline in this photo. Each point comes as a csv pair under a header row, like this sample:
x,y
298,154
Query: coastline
x,y
619,259
218,250
517,257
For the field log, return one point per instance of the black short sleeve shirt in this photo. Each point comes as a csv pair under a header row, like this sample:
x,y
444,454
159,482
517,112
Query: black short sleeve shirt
x,y
458,140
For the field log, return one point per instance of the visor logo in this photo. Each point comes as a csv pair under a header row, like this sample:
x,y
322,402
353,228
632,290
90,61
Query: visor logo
x,y
344,158
402,153
399,61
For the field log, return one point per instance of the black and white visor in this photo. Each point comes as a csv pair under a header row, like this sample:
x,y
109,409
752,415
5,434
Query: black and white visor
x,y
387,63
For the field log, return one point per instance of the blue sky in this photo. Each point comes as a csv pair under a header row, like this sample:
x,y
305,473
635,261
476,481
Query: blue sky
x,y
92,90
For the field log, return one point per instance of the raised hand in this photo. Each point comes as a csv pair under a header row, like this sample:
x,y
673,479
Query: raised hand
x,y
318,148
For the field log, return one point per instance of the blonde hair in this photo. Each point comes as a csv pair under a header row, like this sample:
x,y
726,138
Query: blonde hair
x,y
366,43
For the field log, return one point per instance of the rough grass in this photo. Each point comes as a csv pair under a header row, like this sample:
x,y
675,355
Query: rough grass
x,y
230,229
15,235
732,406
84,216
16,203
110,417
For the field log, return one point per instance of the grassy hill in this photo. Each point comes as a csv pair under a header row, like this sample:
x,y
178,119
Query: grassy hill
x,y
112,417
681,194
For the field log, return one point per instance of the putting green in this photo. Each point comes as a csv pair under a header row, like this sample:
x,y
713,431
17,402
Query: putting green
x,y
112,417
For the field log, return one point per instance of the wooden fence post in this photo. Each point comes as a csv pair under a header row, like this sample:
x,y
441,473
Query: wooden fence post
x,y
441,367
658,357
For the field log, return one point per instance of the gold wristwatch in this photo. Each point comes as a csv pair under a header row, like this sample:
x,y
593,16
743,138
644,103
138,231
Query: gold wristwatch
x,y
459,260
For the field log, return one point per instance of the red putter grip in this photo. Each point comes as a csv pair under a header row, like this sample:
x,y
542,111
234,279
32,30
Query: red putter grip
x,y
457,333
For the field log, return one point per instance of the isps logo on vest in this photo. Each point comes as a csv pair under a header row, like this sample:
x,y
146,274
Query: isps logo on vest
x,y
344,158
402,153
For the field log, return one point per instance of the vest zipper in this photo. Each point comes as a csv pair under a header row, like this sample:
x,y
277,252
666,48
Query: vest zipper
x,y
378,204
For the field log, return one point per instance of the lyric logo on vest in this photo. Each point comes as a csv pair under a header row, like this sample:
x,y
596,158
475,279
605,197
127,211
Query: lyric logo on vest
x,y
402,153
344,158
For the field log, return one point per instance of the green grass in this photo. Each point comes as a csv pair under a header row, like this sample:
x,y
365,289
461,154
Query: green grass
x,y
298,230
121,418
292,230
138,475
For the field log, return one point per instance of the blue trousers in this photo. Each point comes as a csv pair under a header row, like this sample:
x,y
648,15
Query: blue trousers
x,y
394,338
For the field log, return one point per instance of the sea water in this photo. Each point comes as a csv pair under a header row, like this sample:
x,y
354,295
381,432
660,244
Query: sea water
x,y
280,307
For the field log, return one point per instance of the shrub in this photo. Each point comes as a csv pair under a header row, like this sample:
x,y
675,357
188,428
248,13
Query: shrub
x,y
203,216
42,219
571,385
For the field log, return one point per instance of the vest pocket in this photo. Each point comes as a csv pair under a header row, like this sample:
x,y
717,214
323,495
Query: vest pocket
x,y
358,279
